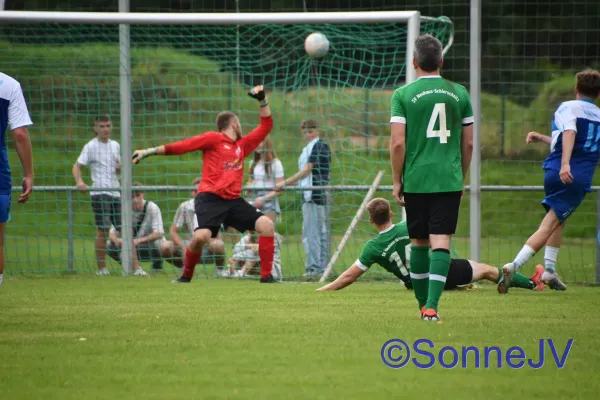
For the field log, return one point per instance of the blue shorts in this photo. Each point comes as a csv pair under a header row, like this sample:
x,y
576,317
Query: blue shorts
x,y
563,199
5,207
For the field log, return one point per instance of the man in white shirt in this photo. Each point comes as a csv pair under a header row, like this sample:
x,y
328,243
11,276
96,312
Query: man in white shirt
x,y
314,165
148,232
182,230
13,114
103,155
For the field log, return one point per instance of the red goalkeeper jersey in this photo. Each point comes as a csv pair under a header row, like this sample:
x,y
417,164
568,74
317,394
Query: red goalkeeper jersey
x,y
223,158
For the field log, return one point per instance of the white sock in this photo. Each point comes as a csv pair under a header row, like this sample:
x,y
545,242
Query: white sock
x,y
1,278
550,257
524,255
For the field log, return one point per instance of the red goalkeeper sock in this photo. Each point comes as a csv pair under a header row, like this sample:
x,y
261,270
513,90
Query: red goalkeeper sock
x,y
189,262
266,252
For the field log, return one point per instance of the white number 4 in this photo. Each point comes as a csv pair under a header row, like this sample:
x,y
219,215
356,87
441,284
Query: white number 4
x,y
443,133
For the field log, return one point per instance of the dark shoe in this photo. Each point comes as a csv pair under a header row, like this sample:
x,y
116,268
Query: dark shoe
x,y
268,279
182,279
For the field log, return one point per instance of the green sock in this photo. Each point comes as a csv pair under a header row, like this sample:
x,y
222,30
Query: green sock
x,y
419,272
522,281
438,272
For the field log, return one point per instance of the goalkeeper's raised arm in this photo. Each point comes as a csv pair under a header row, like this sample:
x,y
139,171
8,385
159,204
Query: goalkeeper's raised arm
x,y
228,124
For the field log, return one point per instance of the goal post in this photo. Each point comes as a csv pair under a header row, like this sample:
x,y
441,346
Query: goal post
x,y
353,224
164,77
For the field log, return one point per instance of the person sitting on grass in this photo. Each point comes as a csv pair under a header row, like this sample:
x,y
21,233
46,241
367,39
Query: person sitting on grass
x,y
245,260
148,233
388,250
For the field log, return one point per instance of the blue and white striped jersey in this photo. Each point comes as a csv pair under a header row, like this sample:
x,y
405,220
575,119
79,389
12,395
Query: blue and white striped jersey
x,y
583,117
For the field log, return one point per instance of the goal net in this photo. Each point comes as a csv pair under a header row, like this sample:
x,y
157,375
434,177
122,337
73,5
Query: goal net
x,y
181,77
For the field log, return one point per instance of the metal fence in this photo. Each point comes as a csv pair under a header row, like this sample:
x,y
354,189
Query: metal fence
x,y
69,190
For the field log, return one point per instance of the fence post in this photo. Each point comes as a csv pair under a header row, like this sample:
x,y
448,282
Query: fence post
x,y
328,199
70,238
366,121
598,236
126,140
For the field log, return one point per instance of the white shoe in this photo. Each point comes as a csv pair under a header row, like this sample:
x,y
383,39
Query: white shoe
x,y
553,281
222,272
140,272
508,272
103,272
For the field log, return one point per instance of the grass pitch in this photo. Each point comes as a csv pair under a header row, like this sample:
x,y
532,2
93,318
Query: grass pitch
x,y
112,337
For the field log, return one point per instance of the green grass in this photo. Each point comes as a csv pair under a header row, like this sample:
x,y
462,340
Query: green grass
x,y
88,338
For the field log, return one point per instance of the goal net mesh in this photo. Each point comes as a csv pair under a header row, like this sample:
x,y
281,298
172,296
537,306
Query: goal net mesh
x,y
182,76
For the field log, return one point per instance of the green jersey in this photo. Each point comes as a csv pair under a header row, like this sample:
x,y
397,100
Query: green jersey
x,y
434,111
388,249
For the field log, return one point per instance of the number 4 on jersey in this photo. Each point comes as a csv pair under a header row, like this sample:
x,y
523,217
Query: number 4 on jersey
x,y
443,133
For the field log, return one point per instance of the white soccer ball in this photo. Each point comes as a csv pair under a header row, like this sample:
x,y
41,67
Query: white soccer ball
x,y
316,45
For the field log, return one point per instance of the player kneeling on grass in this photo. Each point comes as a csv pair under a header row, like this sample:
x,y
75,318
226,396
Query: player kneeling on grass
x,y
388,250
148,232
182,230
219,198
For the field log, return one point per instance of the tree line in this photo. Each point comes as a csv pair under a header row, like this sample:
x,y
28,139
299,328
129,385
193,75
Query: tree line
x,y
524,44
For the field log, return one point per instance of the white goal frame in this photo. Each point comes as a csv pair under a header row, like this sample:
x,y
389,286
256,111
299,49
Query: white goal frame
x,y
124,19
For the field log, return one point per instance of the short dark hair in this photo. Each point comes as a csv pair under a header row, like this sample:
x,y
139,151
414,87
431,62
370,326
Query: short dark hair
x,y
224,120
428,53
102,118
379,210
136,184
588,83
309,124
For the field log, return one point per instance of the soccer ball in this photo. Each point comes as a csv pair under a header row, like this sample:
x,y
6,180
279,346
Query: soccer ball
x,y
316,45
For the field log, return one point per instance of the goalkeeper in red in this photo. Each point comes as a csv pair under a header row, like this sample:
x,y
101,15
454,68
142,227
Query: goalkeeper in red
x,y
430,150
219,198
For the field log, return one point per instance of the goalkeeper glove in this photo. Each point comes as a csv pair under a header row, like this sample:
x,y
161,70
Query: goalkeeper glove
x,y
258,93
139,155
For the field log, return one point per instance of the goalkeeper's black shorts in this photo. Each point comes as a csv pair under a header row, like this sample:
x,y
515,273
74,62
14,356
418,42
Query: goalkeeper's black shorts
x,y
213,211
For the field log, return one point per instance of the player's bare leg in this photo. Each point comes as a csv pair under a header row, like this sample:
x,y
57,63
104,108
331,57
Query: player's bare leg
x,y
549,225
101,236
193,253
266,247
2,231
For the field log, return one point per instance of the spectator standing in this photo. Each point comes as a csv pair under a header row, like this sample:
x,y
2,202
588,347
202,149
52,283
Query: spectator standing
x,y
314,166
266,171
103,156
